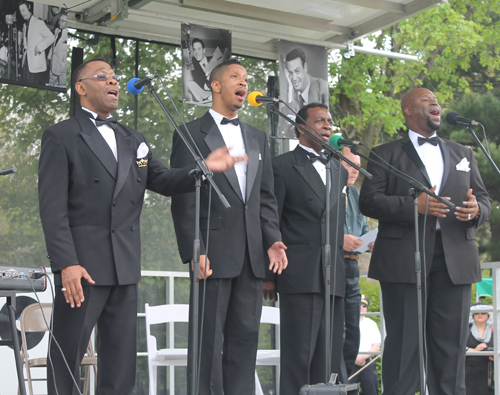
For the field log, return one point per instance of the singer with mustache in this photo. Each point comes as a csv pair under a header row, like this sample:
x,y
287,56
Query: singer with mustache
x,y
242,238
93,174
450,247
300,179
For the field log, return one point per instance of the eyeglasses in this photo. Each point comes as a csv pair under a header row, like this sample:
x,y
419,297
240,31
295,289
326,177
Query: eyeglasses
x,y
103,77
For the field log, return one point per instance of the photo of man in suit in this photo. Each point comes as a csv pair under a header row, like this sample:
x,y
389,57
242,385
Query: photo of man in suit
x,y
93,174
300,179
306,88
197,77
244,239
34,39
450,262
301,82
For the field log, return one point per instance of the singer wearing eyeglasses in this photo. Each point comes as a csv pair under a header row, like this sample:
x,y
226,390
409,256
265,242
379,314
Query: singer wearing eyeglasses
x,y
449,249
93,174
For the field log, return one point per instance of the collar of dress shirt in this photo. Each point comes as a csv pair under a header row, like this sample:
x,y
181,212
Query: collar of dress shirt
x,y
414,137
218,117
94,114
308,149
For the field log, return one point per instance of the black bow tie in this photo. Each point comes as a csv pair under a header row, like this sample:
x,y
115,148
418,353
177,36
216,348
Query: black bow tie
x,y
99,121
234,121
111,122
320,158
432,140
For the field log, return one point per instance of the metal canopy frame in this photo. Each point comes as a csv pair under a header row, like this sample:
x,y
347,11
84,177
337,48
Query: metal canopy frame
x,y
256,25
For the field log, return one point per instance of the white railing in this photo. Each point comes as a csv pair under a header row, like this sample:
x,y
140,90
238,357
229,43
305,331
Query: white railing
x,y
495,271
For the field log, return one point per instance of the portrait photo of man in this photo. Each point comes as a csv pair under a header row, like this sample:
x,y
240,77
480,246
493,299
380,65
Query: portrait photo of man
x,y
301,82
202,50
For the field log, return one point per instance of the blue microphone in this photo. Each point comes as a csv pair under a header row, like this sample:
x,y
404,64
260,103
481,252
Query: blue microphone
x,y
136,85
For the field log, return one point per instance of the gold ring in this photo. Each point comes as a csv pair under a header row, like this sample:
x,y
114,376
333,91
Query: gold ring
x,y
63,289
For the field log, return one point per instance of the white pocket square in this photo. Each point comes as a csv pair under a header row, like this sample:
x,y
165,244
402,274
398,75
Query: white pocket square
x,y
463,165
142,151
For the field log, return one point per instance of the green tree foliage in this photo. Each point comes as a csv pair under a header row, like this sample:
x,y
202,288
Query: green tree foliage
x,y
457,44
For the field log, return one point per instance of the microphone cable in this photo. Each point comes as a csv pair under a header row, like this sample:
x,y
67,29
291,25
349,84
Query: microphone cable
x,y
51,334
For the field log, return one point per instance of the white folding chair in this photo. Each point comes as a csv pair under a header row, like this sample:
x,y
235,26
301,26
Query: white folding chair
x,y
270,315
167,356
178,356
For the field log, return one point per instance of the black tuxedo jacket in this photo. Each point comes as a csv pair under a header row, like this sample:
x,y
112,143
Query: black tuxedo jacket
x,y
301,198
386,198
90,204
198,74
250,224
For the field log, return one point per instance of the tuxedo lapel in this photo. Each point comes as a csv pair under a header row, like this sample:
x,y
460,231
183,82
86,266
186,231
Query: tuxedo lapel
x,y
253,151
214,140
413,155
97,144
309,173
445,151
125,156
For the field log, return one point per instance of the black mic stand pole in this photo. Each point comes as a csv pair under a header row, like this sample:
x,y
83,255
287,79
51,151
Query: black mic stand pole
x,y
478,142
200,171
415,191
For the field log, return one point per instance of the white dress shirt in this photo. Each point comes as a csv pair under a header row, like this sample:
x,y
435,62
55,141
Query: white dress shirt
x,y
107,133
318,165
432,158
234,141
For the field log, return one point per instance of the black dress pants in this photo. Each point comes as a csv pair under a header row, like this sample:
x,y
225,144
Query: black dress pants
x,y
114,310
446,311
229,335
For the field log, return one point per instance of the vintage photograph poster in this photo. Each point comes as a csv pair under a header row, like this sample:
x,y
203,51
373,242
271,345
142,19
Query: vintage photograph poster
x,y
202,50
303,78
33,44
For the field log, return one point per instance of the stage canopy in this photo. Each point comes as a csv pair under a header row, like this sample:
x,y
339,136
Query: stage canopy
x,y
256,25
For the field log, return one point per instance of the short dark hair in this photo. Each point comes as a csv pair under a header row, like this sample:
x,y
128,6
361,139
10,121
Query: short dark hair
x,y
77,74
197,40
303,114
28,4
296,53
215,75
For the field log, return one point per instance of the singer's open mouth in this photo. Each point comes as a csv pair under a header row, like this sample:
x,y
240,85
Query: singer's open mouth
x,y
241,93
113,93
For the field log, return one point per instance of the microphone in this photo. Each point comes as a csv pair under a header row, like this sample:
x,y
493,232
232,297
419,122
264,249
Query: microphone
x,y
10,170
136,85
454,118
256,99
338,142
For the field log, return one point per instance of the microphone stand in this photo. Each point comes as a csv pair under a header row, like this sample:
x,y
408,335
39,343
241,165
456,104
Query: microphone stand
x,y
200,171
416,189
329,153
478,142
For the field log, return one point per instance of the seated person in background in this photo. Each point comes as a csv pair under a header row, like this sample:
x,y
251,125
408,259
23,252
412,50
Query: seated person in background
x,y
370,341
480,339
